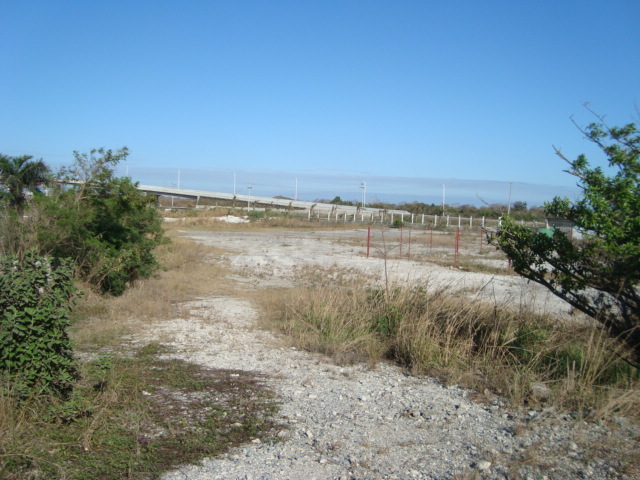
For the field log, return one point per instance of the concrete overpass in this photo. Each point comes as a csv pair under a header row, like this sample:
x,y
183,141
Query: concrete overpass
x,y
313,209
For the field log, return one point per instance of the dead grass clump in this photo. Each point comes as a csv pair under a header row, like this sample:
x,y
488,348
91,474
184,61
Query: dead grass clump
x,y
529,358
330,321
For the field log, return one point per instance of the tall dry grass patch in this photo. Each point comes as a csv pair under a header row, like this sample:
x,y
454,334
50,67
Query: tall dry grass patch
x,y
324,320
531,359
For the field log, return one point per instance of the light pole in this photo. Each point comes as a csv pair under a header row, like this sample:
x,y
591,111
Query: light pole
x,y
509,205
234,184
295,197
249,186
363,187
443,189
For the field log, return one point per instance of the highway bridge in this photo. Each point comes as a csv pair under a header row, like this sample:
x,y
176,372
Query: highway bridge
x,y
313,209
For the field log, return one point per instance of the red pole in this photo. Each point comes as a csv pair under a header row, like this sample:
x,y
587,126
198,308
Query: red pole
x,y
368,240
409,249
400,241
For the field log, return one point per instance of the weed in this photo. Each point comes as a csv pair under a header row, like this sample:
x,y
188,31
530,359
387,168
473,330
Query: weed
x,y
149,416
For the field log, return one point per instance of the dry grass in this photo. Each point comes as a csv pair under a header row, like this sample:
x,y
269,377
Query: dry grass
x,y
528,358
259,220
190,271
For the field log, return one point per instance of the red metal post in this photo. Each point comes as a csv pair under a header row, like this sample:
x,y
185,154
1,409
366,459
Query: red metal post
x,y
368,240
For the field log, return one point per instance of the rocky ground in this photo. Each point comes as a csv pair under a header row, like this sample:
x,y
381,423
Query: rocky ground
x,y
362,422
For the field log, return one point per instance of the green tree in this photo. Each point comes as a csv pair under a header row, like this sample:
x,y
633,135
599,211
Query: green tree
x,y
18,174
104,223
598,274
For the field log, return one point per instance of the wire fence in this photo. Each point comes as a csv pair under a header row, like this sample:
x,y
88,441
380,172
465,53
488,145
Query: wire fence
x,y
456,247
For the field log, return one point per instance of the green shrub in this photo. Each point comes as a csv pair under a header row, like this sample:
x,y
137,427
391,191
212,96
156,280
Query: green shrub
x,y
397,223
105,224
37,295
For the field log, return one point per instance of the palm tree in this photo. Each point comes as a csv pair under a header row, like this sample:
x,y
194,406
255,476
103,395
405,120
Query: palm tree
x,y
18,174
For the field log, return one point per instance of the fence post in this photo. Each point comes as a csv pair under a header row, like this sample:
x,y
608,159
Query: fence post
x,y
457,247
470,222
435,221
430,239
447,220
423,219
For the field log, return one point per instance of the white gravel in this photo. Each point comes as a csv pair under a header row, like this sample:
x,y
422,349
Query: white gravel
x,y
360,422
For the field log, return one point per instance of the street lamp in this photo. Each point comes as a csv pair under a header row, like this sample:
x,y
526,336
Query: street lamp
x,y
363,187
443,189
249,186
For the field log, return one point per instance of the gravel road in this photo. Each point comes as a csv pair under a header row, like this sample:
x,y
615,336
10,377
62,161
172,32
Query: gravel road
x,y
362,422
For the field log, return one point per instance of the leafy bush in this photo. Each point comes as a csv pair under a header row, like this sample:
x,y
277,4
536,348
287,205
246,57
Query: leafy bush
x,y
104,224
37,295
397,223
110,234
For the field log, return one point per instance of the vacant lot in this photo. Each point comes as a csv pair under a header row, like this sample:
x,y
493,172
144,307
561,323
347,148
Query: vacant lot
x,y
372,420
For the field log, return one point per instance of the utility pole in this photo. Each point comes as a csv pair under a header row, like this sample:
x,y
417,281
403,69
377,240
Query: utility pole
x,y
443,199
509,206
363,187
249,186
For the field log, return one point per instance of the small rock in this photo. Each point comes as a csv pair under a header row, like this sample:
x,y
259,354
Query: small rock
x,y
540,391
483,465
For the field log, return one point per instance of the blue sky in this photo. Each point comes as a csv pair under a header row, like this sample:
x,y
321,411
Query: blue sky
x,y
404,95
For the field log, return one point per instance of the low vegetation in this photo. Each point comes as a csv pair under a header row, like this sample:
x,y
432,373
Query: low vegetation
x,y
532,360
133,416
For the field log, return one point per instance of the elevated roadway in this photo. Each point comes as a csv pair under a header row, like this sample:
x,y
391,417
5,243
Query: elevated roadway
x,y
313,208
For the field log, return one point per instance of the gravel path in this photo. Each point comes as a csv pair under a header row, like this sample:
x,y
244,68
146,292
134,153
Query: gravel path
x,y
360,422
